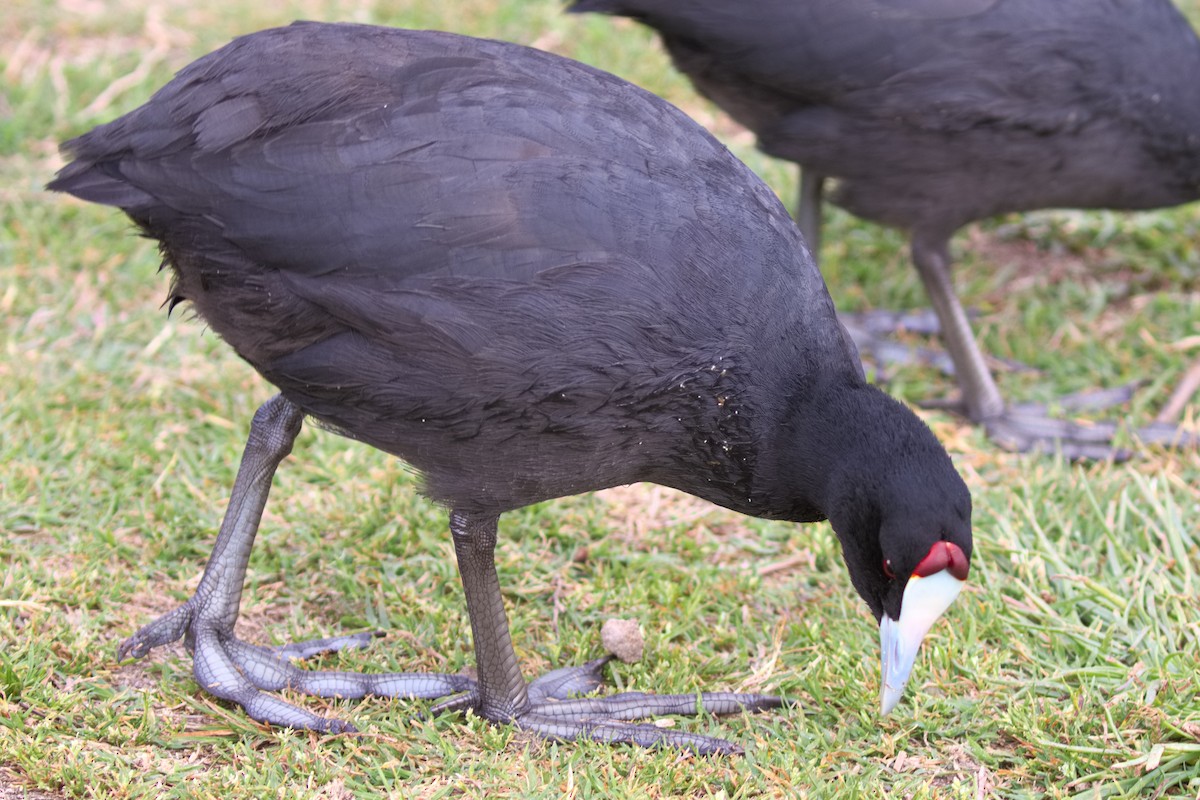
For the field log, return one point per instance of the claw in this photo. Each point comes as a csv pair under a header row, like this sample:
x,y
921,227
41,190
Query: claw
x,y
168,628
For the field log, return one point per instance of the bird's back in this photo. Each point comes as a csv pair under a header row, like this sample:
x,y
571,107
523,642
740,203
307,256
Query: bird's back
x,y
936,112
448,247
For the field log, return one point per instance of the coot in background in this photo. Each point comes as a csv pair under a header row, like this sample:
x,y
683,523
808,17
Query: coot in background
x,y
528,279
932,114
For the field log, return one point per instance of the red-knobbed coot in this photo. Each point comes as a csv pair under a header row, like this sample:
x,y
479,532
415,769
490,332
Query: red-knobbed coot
x,y
527,279
933,113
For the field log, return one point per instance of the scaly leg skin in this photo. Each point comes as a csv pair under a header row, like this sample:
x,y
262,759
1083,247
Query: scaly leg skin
x,y
1024,428
501,694
242,673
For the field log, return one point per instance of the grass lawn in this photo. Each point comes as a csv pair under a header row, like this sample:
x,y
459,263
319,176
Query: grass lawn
x,y
1070,667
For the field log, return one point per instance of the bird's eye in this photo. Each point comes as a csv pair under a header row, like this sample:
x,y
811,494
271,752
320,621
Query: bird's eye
x,y
887,568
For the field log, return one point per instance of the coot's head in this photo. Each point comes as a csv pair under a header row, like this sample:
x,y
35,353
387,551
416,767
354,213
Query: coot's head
x,y
903,515
913,599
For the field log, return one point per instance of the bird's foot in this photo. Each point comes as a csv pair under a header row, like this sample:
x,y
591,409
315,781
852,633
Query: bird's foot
x,y
874,335
872,332
883,321
555,711
1029,428
243,673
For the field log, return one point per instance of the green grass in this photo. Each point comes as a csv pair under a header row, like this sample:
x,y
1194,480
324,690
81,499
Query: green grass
x,y
1070,667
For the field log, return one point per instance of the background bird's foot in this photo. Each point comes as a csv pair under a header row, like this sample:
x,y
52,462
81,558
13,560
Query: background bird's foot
x,y
1087,400
1028,428
556,711
883,321
244,674
874,333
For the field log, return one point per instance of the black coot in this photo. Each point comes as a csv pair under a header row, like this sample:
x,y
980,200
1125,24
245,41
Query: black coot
x,y
526,278
932,114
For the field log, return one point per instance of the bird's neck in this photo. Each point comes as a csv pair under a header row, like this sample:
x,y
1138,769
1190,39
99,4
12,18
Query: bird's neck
x,y
830,438
775,457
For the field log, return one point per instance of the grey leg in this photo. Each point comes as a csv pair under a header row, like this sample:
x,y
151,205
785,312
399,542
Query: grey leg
x,y
543,706
981,396
808,210
239,672
502,694
244,674
870,330
1023,428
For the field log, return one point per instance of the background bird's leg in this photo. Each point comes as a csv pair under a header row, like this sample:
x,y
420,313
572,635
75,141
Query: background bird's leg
x,y
980,396
239,672
502,693
808,211
871,330
1025,427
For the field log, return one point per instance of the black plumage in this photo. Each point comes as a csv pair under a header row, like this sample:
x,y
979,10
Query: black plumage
x,y
933,114
528,279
